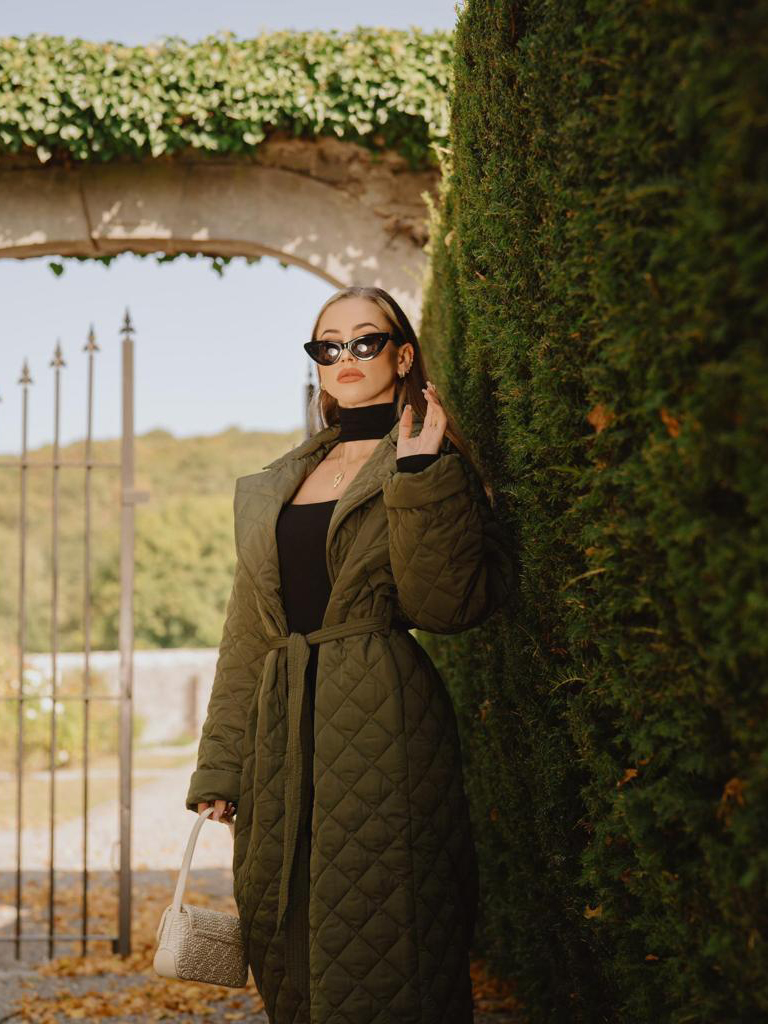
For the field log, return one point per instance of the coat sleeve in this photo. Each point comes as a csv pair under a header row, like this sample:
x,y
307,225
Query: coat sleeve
x,y
450,560
238,671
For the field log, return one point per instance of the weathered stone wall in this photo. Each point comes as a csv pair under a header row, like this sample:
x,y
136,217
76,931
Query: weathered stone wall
x,y
330,206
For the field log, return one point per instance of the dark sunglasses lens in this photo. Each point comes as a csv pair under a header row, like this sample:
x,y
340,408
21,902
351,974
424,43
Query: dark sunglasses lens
x,y
369,345
323,352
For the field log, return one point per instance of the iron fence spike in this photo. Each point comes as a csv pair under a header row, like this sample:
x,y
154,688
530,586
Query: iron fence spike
x,y
127,327
25,377
58,357
90,345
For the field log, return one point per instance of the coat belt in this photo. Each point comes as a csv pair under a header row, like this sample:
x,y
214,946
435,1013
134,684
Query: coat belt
x,y
295,776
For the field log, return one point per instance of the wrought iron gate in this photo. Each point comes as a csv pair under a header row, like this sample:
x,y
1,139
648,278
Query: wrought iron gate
x,y
121,940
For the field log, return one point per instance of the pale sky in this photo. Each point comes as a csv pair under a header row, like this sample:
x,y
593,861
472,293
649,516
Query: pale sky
x,y
211,352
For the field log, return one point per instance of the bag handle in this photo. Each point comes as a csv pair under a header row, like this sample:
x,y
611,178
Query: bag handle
x,y
187,861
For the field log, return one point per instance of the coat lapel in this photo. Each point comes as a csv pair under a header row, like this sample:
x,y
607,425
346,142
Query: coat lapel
x,y
260,497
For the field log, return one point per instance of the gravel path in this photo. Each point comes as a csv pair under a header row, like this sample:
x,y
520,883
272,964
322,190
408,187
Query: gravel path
x,y
159,831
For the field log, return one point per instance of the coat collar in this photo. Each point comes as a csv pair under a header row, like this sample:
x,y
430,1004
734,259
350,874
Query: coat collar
x,y
260,497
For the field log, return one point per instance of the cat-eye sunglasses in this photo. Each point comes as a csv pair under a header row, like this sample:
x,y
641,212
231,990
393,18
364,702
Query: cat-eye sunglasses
x,y
367,346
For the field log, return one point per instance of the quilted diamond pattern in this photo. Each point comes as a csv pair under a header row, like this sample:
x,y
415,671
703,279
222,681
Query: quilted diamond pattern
x,y
385,927
238,669
447,549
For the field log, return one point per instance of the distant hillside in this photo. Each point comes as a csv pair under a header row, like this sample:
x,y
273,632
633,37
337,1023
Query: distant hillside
x,y
184,539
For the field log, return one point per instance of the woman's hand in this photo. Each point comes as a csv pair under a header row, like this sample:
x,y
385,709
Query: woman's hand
x,y
223,809
432,429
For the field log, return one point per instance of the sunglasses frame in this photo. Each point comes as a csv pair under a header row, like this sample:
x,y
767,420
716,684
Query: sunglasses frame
x,y
385,335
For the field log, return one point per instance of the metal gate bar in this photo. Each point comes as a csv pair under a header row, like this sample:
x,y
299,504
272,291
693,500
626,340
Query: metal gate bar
x,y
125,637
25,380
57,362
90,347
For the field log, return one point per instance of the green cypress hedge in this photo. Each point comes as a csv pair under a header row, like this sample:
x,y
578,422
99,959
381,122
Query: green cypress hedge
x,y
596,315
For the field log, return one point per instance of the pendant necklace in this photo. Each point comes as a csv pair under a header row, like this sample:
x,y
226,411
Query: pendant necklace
x,y
338,478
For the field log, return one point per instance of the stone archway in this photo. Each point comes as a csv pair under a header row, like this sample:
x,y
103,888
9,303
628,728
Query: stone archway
x,y
332,207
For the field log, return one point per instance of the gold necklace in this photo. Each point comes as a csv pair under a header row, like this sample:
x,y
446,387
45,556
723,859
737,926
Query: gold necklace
x,y
339,476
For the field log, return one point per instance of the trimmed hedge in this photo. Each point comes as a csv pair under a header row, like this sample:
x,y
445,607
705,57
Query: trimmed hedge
x,y
78,100
596,316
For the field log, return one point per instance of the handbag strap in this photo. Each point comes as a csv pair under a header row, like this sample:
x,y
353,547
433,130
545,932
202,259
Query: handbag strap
x,y
187,860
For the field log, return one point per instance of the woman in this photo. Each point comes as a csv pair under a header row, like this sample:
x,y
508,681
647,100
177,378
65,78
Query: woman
x,y
329,728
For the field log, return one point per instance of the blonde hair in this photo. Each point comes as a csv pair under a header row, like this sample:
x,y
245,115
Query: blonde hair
x,y
407,388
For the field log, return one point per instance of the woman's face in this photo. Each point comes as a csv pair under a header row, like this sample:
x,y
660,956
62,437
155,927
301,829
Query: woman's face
x,y
350,318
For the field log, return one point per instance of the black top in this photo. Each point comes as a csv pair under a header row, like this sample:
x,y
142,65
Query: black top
x,y
301,534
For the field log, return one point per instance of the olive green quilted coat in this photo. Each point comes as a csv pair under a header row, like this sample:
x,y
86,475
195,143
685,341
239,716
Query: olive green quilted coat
x,y
370,923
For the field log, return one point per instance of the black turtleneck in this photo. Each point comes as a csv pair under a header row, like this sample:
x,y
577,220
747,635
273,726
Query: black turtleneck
x,y
362,422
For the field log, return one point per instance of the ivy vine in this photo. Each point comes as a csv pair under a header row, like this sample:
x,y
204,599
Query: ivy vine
x,y
84,101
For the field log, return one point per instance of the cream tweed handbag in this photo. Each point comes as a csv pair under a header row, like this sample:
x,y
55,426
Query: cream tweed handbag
x,y
195,943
